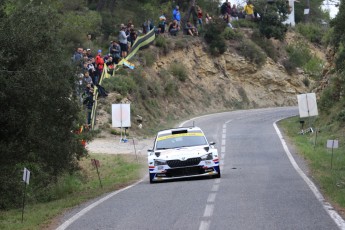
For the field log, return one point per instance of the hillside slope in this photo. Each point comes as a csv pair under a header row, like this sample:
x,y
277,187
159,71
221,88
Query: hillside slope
x,y
211,84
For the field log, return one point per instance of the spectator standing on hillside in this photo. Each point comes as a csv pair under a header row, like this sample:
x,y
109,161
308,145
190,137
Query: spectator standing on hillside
x,y
123,41
87,78
78,55
99,62
174,28
89,42
177,15
132,35
91,66
199,12
227,20
223,8
234,12
110,64
191,30
88,53
162,23
88,101
115,51
208,18
249,10
228,8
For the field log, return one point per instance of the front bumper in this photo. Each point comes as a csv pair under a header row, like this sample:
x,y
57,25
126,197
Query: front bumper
x,y
183,172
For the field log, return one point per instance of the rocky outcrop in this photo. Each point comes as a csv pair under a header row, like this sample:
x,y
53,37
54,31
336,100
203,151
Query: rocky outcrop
x,y
231,79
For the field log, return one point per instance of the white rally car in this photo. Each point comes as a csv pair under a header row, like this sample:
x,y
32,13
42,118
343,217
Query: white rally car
x,y
181,153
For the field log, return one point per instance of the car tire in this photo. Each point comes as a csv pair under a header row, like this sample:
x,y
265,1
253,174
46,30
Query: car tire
x,y
151,181
218,175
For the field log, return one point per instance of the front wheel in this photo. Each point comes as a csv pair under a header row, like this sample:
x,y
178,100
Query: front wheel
x,y
218,175
151,179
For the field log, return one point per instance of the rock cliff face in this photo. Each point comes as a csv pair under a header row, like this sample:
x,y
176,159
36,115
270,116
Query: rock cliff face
x,y
232,81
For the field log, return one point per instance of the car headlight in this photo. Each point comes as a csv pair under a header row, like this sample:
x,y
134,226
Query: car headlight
x,y
160,162
208,156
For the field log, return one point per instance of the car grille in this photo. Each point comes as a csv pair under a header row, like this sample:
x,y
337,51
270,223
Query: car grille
x,y
188,162
188,171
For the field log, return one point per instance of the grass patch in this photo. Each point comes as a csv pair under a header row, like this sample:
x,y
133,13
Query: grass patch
x,y
331,181
116,171
178,70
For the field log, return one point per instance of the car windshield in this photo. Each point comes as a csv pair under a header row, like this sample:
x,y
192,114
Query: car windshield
x,y
171,141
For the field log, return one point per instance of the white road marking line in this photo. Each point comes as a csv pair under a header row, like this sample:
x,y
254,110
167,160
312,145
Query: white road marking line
x,y
211,197
223,142
329,209
217,181
227,122
222,155
94,204
204,225
208,210
223,136
224,130
215,188
222,149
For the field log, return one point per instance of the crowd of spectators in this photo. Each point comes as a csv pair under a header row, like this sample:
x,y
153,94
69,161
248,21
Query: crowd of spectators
x,y
92,64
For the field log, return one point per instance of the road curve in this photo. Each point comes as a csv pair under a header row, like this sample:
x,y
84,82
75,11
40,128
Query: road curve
x,y
260,188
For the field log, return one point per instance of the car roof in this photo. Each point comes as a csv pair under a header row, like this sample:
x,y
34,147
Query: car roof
x,y
186,129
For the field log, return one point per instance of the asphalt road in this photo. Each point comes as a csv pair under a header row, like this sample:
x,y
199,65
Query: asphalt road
x,y
259,187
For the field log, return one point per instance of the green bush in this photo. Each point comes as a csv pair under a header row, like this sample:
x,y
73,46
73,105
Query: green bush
x,y
178,70
149,58
213,37
301,56
160,41
252,52
312,32
306,81
122,85
289,66
314,67
244,24
265,44
170,88
231,34
181,43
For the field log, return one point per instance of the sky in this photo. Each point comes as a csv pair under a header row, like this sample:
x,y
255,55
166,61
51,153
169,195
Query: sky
x,y
333,10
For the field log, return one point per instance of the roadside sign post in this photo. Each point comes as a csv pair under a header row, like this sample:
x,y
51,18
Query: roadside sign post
x,y
332,144
121,118
135,149
307,107
96,164
26,179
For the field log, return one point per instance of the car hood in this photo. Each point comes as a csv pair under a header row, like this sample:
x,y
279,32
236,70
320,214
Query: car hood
x,y
182,153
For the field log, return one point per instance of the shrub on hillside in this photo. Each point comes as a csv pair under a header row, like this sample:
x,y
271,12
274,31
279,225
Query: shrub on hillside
x,y
265,44
244,24
162,43
181,43
178,70
289,66
213,37
301,56
149,58
231,34
312,32
122,85
252,52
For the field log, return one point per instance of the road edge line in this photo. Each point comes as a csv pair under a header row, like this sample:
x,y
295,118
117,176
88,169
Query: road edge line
x,y
94,204
327,206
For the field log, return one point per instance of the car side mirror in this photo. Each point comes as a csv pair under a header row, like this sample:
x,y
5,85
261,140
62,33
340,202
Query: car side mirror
x,y
149,152
212,143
